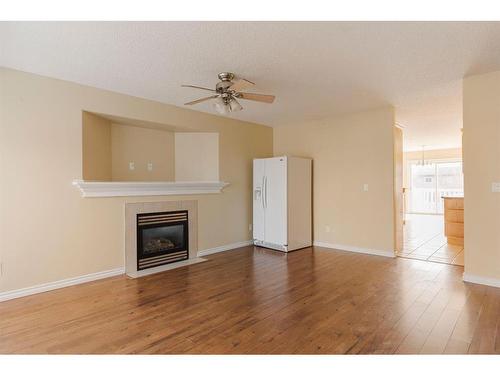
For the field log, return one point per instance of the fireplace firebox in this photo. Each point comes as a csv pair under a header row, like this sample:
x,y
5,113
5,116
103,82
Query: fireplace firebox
x,y
162,238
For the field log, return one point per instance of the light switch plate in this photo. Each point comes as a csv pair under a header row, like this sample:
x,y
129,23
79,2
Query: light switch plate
x,y
131,165
495,187
150,166
328,229
365,187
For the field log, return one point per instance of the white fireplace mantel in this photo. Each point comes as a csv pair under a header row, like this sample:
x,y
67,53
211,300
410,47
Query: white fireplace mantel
x,y
126,189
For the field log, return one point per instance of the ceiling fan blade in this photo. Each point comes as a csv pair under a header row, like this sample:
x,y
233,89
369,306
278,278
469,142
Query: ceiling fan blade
x,y
201,100
257,97
241,84
198,87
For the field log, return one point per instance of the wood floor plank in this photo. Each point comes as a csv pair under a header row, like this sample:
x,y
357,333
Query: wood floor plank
x,y
254,300
484,338
440,334
418,335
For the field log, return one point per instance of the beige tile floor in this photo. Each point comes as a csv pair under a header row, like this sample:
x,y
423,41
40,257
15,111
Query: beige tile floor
x,y
424,239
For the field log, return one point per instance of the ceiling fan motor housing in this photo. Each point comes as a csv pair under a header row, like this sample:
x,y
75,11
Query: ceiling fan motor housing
x,y
225,84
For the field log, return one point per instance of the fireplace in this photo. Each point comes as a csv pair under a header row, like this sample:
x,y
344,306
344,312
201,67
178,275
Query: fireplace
x,y
162,238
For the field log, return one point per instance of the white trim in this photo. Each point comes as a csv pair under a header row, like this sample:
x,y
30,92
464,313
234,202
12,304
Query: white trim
x,y
481,280
219,249
355,249
60,284
126,189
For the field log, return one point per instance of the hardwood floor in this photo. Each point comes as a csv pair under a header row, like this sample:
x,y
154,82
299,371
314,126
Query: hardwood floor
x,y
262,301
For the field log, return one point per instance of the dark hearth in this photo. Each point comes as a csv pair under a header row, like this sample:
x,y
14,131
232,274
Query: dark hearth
x,y
162,238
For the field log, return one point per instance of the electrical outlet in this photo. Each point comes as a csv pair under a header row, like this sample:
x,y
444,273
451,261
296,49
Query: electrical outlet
x,y
495,187
365,187
328,229
150,166
249,227
131,165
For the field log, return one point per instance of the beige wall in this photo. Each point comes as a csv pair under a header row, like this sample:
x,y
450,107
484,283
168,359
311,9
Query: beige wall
x,y
196,156
348,152
65,235
96,148
141,146
481,149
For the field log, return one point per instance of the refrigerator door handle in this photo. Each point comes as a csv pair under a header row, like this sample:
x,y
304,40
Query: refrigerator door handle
x,y
265,184
263,190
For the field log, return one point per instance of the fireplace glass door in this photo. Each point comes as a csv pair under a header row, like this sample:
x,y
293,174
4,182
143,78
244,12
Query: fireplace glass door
x,y
162,238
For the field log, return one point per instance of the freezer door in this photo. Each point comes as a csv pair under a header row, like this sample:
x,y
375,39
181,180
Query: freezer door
x,y
258,201
275,201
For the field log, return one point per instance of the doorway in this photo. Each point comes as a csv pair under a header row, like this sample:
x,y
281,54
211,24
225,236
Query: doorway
x,y
430,182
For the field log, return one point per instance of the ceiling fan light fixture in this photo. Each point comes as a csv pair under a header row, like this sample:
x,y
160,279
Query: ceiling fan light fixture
x,y
235,106
221,106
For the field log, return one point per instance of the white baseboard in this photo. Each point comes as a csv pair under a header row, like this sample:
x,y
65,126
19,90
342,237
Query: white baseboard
x,y
355,249
481,280
219,249
4,296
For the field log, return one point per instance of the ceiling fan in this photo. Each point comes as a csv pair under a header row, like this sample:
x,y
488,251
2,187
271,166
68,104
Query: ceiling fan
x,y
227,91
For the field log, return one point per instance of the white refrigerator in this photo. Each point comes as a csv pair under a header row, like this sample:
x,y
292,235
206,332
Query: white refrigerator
x,y
282,200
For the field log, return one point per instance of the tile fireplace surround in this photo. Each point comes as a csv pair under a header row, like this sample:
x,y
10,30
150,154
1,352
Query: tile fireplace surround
x,y
131,211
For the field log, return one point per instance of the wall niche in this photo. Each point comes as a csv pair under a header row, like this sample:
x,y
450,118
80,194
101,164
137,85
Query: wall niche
x,y
116,149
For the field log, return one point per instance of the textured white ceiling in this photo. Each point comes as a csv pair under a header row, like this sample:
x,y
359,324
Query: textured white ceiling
x,y
316,69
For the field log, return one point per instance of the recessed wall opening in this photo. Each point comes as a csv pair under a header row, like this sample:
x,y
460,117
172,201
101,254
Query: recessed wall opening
x,y
121,149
